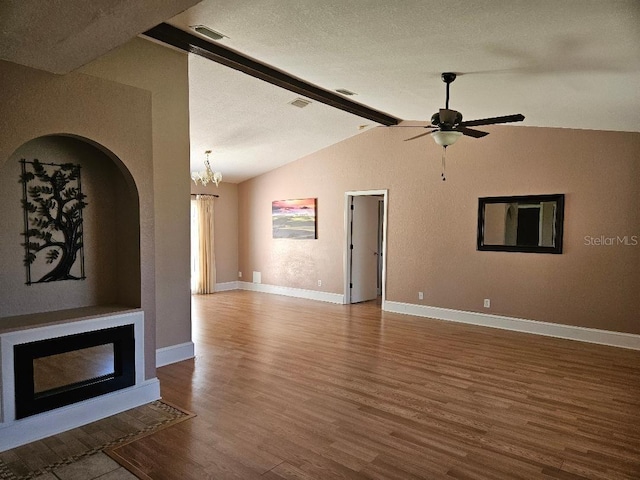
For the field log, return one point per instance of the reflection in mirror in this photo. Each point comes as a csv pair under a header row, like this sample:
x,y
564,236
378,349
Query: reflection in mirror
x,y
65,369
521,224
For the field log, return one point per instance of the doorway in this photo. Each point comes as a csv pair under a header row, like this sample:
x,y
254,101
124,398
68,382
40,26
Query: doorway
x,y
528,230
365,245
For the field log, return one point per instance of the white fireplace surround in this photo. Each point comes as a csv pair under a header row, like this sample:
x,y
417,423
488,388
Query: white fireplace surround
x,y
47,326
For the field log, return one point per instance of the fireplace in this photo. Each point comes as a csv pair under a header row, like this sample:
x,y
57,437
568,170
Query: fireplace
x,y
67,368
55,372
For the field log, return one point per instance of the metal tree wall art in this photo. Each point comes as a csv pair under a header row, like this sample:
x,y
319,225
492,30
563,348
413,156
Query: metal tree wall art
x,y
52,201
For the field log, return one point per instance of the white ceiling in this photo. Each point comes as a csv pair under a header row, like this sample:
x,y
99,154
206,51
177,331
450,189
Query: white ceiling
x,y
250,126
61,35
561,63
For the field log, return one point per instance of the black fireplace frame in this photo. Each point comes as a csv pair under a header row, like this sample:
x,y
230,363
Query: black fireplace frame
x,y
28,402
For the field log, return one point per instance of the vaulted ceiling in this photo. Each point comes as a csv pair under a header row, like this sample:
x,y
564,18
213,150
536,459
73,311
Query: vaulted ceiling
x,y
569,63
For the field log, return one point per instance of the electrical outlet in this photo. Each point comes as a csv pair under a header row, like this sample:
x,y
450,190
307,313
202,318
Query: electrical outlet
x,y
239,274
319,283
487,303
420,295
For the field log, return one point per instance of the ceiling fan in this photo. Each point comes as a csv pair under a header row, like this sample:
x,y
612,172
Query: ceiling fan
x,y
447,125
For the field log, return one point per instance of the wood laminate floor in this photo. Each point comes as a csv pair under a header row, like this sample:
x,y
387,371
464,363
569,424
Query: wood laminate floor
x,y
293,389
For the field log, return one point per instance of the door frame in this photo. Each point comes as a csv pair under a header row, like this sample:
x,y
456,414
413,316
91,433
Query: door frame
x,y
347,240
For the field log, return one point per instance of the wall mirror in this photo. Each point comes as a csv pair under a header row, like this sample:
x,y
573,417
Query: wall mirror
x,y
531,223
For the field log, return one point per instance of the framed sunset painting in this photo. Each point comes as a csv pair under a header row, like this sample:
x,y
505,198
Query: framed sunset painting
x,y
294,218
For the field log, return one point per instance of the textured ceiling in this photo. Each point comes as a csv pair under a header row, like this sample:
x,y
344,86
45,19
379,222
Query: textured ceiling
x,y
561,63
61,35
569,63
250,126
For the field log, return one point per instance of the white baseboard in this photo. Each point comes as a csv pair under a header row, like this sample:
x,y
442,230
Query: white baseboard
x,y
174,353
226,286
581,334
293,292
36,427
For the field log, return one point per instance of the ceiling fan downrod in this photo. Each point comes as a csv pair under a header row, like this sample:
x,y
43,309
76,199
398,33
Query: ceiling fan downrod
x,y
448,78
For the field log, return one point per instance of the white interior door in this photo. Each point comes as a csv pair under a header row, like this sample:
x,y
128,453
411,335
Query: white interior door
x,y
364,251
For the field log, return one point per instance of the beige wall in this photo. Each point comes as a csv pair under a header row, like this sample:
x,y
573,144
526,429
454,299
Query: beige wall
x,y
432,224
163,72
225,229
114,116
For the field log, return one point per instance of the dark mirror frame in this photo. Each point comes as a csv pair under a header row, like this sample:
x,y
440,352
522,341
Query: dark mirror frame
x,y
558,225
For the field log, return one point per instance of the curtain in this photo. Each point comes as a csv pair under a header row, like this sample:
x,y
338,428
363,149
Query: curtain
x,y
203,261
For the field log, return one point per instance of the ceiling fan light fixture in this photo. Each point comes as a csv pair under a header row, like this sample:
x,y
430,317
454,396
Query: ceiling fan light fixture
x,y
444,138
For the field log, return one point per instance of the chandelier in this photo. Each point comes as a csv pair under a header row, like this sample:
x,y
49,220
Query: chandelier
x,y
207,175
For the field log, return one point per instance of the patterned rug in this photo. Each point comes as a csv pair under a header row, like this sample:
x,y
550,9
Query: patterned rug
x,y
29,461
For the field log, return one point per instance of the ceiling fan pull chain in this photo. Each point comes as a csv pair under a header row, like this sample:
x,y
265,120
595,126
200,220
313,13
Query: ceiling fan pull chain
x,y
444,159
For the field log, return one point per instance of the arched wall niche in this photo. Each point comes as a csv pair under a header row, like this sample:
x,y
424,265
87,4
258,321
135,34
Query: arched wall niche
x,y
111,230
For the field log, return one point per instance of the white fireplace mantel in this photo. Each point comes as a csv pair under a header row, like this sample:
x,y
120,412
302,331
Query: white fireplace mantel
x,y
35,327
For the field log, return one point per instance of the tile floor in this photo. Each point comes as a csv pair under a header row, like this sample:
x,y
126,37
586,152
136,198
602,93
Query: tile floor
x,y
96,467
77,454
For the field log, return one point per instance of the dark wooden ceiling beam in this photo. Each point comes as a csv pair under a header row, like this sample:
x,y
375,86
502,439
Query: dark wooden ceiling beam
x,y
193,44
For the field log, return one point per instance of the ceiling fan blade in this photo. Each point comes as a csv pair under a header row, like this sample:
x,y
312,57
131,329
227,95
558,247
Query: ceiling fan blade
x,y
470,132
493,120
418,136
412,126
